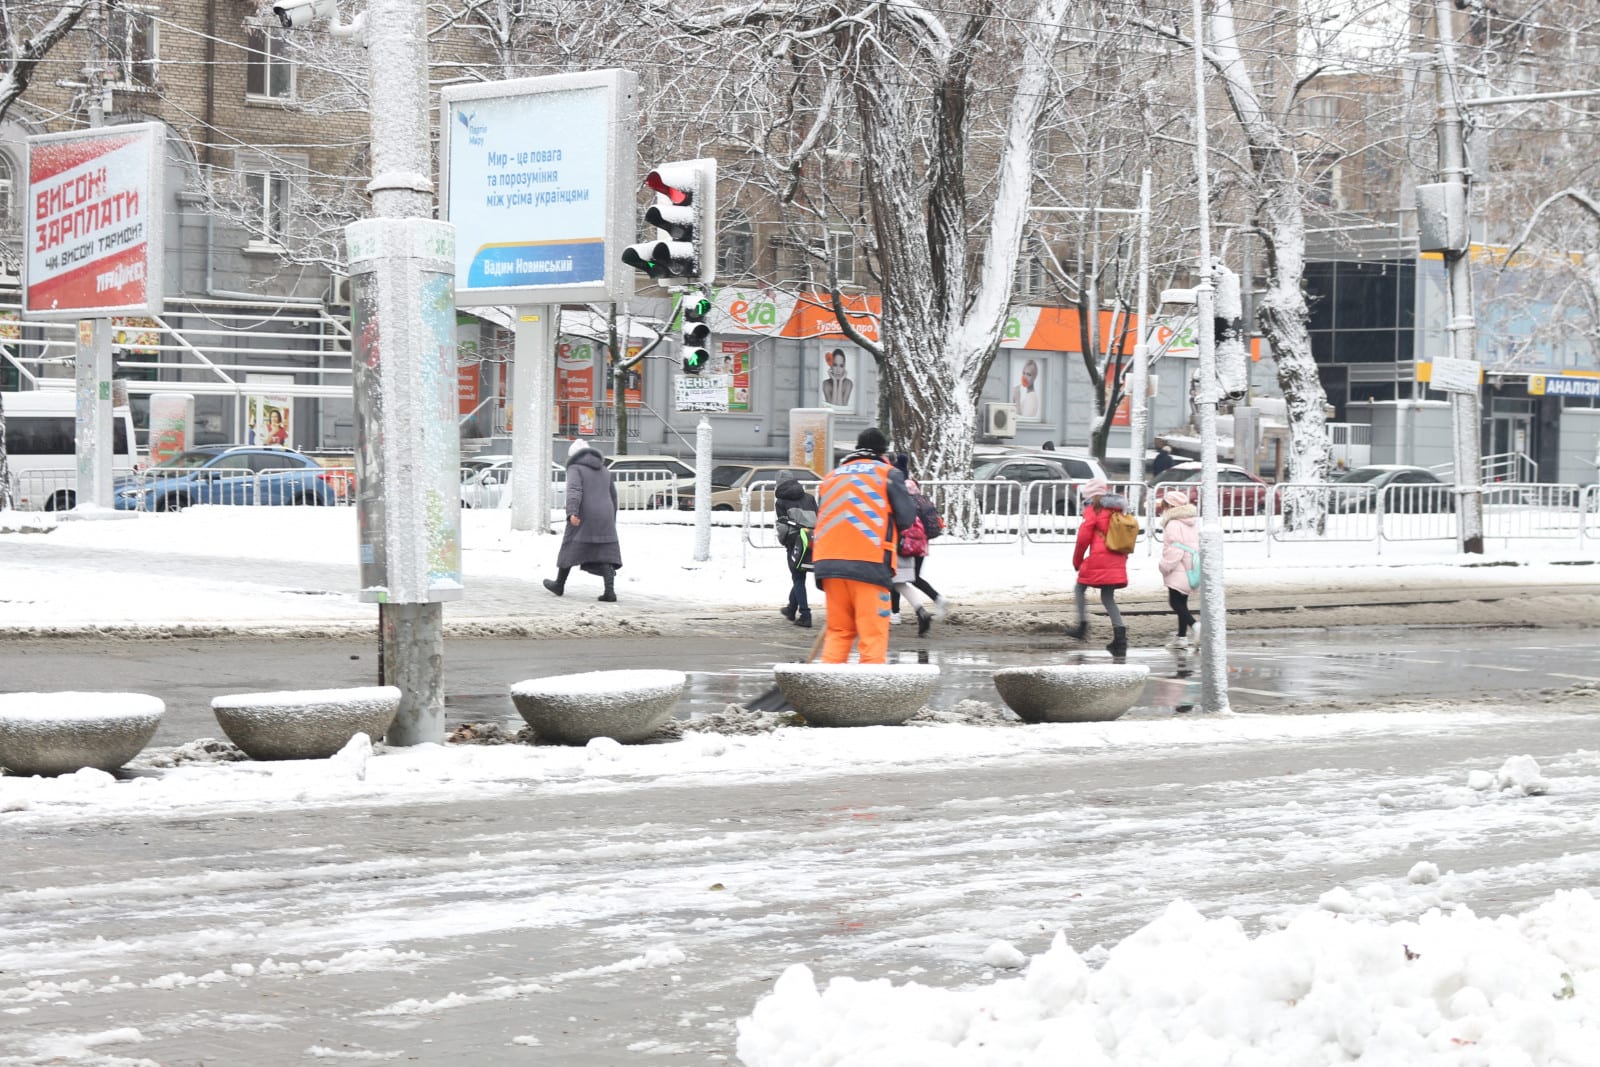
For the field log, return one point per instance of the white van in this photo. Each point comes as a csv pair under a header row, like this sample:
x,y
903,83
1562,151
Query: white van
x,y
41,447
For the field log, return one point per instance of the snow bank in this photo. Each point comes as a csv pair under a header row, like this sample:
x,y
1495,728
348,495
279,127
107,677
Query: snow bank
x,y
1444,989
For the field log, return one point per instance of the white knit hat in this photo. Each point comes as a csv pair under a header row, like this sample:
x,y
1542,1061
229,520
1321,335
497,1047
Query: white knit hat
x,y
578,445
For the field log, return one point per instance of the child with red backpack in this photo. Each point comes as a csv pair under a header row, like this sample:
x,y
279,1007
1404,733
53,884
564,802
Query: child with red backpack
x,y
912,551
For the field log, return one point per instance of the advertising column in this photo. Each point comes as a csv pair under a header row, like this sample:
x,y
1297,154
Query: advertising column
x,y
408,453
93,236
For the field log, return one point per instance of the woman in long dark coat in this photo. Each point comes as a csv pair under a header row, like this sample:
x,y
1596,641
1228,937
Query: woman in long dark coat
x,y
590,539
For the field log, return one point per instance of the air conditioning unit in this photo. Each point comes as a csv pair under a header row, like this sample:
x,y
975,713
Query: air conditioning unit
x,y
338,290
1000,420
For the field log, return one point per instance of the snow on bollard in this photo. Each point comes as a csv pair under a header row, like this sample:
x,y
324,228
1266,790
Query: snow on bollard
x,y
856,694
58,733
574,709
1088,692
304,724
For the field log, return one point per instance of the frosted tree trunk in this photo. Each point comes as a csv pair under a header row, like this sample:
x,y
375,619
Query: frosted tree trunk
x,y
946,246
1279,220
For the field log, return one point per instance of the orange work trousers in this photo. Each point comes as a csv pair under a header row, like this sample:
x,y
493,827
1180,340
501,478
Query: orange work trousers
x,y
856,610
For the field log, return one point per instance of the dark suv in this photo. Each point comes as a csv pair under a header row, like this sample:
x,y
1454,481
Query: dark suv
x,y
232,474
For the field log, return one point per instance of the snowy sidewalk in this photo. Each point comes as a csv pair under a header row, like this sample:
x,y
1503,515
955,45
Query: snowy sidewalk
x,y
293,569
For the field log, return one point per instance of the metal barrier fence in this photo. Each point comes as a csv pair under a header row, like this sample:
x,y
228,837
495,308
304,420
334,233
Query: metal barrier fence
x,y
52,488
646,490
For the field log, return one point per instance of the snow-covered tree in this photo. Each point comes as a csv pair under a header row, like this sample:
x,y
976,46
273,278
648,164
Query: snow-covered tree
x,y
1261,80
946,171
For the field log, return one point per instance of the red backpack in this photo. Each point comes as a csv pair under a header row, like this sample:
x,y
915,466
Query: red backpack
x,y
914,541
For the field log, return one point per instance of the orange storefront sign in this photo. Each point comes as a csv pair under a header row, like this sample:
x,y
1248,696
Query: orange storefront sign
x,y
813,317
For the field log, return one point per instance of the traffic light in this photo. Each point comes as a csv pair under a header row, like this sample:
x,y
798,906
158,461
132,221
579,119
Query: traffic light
x,y
685,218
696,332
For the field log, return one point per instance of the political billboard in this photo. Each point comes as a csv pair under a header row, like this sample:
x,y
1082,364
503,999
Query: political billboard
x,y
538,180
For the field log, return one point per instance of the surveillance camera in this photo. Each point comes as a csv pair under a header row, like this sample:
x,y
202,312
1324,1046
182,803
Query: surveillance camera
x,y
298,14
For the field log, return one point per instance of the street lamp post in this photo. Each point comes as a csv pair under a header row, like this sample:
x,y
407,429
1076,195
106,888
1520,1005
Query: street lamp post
x,y
1213,608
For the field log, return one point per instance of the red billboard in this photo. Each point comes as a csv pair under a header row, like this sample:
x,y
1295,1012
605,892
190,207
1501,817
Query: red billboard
x,y
94,223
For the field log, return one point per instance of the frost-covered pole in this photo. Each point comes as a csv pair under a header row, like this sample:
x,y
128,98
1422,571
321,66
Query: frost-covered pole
x,y
1213,608
1464,406
1138,407
532,394
403,318
702,490
92,358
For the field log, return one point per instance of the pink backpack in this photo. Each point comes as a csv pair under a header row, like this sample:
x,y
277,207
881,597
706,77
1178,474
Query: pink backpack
x,y
914,541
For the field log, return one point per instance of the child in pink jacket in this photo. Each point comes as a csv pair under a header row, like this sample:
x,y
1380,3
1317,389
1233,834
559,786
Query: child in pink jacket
x,y
1181,550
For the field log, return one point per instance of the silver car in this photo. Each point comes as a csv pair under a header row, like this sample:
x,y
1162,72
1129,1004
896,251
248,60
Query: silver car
x,y
490,485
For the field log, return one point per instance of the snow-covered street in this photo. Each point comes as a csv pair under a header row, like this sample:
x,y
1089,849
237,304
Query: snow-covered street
x,y
501,904
1299,886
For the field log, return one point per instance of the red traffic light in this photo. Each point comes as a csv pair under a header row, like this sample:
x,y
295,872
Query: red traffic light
x,y
675,183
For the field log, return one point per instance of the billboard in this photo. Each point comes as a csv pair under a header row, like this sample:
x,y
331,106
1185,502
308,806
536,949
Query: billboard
x,y
538,178
94,223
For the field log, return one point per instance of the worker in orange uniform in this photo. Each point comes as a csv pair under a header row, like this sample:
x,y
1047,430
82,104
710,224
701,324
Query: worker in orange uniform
x,y
863,506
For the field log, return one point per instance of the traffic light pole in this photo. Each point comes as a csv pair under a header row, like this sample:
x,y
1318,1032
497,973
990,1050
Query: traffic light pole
x,y
702,490
1465,407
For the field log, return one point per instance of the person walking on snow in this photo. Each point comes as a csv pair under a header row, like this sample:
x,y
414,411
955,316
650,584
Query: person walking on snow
x,y
864,508
1098,566
797,518
1179,556
590,539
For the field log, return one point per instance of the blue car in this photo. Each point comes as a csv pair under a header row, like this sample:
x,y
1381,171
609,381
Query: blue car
x,y
232,474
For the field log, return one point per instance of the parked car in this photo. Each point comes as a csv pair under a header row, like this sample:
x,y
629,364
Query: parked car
x,y
1401,488
231,474
1022,471
1080,466
762,480
642,480
1241,492
41,446
724,475
490,485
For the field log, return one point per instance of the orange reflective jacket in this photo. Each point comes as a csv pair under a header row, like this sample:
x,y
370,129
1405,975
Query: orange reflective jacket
x,y
853,514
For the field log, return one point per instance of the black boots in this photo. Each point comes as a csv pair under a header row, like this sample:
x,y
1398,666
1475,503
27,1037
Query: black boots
x,y
559,586
803,619
1119,642
610,578
787,611
924,620
1077,632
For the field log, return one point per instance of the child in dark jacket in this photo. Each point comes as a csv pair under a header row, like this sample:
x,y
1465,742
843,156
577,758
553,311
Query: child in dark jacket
x,y
796,516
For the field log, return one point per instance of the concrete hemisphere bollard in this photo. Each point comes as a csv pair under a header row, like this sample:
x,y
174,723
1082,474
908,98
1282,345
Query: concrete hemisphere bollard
x,y
856,694
305,723
574,709
58,733
1087,692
